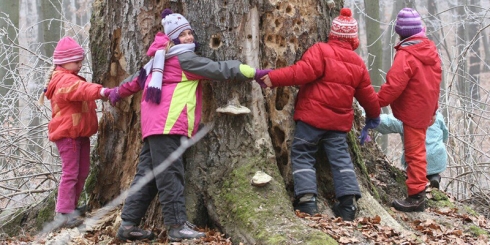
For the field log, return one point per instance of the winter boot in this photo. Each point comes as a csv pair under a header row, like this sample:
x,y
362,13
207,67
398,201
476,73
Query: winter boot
x,y
434,180
413,203
191,226
306,204
346,208
68,220
82,210
133,233
182,232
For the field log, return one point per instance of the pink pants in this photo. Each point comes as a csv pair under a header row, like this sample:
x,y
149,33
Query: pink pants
x,y
416,158
75,166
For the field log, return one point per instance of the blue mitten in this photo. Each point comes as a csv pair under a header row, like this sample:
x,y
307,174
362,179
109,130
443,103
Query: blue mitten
x,y
364,135
370,124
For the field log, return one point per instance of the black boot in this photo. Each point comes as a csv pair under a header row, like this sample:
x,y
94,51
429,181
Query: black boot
x,y
434,180
413,203
306,204
346,208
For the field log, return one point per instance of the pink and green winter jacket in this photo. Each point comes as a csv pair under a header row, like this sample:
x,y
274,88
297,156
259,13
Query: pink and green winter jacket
x,y
179,110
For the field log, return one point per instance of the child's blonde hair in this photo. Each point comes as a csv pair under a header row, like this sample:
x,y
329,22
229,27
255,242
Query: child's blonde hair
x,y
169,45
47,79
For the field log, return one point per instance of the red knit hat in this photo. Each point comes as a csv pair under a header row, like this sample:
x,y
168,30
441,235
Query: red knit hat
x,y
67,50
344,27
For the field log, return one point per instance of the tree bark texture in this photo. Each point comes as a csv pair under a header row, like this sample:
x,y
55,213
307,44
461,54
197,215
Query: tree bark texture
x,y
263,34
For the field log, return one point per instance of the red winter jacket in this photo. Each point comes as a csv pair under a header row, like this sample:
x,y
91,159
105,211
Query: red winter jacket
x,y
413,82
330,75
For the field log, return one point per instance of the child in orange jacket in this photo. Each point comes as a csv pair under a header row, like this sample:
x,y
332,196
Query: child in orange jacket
x,y
73,121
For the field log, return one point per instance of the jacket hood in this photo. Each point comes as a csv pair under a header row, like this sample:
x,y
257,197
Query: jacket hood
x,y
421,48
340,43
161,41
56,77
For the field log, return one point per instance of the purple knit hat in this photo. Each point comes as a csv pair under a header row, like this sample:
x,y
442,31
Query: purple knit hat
x,y
408,23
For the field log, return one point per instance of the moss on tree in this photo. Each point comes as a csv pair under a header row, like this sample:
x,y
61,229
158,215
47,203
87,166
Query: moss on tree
x,y
359,161
265,210
13,226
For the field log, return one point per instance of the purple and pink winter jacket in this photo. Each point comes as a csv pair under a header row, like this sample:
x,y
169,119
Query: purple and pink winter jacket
x,y
179,110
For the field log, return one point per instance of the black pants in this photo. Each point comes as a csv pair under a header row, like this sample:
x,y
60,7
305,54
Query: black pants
x,y
169,184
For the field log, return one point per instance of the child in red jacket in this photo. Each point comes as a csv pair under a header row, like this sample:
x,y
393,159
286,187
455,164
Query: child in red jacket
x,y
330,75
412,91
74,120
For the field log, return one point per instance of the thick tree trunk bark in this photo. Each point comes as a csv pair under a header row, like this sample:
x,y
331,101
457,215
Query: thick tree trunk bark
x,y
263,34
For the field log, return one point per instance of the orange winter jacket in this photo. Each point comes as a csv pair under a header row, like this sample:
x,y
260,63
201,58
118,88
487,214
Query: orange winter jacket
x,y
331,75
72,105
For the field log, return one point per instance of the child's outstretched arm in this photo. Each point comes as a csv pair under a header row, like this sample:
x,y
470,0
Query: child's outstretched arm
x,y
396,81
129,86
196,67
389,124
308,69
80,90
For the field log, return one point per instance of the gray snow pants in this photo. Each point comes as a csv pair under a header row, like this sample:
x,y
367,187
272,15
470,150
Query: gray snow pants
x,y
307,140
169,184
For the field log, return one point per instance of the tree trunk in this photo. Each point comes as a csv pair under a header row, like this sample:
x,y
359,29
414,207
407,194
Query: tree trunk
x,y
474,53
375,47
435,32
264,34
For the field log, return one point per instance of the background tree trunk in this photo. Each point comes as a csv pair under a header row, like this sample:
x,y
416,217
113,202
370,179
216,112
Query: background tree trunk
x,y
264,34
474,59
375,55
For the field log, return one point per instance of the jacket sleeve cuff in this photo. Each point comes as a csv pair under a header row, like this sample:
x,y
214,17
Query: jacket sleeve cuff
x,y
102,92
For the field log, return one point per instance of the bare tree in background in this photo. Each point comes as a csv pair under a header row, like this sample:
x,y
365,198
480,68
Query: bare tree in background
x,y
9,22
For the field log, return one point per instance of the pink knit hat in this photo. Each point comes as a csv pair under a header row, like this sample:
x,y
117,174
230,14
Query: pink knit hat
x,y
67,50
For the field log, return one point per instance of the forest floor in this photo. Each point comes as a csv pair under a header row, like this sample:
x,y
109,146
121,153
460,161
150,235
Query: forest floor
x,y
445,221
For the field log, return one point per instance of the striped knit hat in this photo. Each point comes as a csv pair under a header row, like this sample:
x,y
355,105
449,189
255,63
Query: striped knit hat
x,y
174,24
67,50
344,27
408,23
